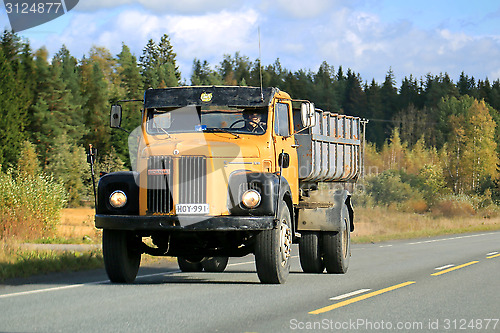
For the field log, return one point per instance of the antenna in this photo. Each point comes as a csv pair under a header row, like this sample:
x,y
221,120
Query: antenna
x,y
260,70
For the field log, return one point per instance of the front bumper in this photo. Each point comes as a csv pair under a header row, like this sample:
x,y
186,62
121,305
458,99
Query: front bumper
x,y
184,223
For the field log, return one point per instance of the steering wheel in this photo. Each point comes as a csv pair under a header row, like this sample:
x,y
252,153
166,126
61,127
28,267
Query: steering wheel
x,y
257,126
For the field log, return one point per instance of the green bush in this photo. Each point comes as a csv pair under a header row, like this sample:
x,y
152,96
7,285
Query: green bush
x,y
387,188
432,183
29,205
361,197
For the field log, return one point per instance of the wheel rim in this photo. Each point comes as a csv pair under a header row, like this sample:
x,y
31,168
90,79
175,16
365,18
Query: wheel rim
x,y
285,243
345,235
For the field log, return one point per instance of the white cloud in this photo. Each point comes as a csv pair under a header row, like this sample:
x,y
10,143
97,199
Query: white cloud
x,y
369,46
215,34
196,36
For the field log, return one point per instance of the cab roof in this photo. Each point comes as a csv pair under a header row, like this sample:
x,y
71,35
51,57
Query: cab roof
x,y
209,95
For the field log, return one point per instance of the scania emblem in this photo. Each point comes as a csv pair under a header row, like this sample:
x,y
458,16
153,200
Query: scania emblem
x,y
206,97
158,172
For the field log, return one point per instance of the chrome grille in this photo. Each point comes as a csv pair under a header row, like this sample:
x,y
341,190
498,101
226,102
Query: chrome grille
x,y
160,178
192,180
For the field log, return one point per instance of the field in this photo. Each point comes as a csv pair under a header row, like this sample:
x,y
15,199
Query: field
x,y
371,225
78,224
381,224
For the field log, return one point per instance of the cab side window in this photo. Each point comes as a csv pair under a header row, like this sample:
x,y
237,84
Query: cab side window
x,y
281,121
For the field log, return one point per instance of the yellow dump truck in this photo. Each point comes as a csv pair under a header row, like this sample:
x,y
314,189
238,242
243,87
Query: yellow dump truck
x,y
229,171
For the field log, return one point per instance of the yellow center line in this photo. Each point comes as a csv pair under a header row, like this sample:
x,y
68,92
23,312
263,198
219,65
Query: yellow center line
x,y
493,256
454,268
360,298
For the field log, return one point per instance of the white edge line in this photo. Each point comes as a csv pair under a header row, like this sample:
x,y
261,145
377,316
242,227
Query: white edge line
x,y
357,292
37,291
492,253
451,238
444,267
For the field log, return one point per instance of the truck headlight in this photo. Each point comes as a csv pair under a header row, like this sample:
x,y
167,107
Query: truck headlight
x,y
251,198
118,199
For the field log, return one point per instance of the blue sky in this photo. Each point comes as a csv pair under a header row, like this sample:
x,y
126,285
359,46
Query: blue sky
x,y
369,36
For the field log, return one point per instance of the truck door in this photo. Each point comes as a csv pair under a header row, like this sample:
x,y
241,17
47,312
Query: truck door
x,y
284,141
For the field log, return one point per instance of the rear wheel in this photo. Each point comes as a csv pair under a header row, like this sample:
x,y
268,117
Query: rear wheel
x,y
215,264
337,248
310,253
273,250
121,255
187,265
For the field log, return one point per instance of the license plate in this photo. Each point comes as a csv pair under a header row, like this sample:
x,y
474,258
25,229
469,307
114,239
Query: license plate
x,y
187,209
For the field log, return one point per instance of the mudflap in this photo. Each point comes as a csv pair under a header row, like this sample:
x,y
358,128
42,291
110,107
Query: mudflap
x,y
326,216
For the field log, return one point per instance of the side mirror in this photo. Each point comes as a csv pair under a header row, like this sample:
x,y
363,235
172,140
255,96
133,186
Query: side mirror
x,y
284,160
116,116
307,114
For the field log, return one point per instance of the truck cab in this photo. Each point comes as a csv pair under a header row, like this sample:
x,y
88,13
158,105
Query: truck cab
x,y
216,174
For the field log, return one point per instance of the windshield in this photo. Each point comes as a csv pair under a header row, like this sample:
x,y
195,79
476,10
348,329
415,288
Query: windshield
x,y
207,119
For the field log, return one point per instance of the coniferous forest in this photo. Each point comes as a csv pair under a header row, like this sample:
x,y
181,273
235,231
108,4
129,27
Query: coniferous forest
x,y
433,135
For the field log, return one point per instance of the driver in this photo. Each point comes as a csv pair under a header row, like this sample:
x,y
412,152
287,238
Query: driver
x,y
253,122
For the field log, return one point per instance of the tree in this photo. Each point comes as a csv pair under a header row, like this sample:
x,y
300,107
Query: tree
x,y
132,86
12,119
324,81
159,67
414,124
438,87
28,164
355,103
129,74
203,75
55,115
70,74
409,93
96,107
376,130
389,95
466,85
167,56
470,152
394,152
68,165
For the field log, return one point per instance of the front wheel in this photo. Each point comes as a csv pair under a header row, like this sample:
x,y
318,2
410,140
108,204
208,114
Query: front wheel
x,y
121,254
273,250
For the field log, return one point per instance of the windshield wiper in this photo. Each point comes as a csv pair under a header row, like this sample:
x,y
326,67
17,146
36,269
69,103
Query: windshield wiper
x,y
220,130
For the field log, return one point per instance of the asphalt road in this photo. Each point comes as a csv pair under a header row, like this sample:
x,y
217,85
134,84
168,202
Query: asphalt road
x,y
444,284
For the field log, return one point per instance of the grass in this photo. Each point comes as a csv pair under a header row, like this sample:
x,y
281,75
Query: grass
x,y
380,224
22,263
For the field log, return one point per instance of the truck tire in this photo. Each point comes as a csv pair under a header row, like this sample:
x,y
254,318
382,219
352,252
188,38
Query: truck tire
x,y
186,265
273,250
310,253
215,264
122,257
337,248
